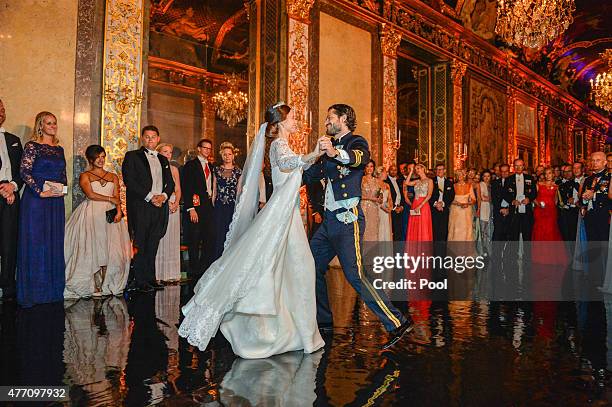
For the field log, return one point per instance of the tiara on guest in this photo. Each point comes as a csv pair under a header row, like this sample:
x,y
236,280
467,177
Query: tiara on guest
x,y
279,104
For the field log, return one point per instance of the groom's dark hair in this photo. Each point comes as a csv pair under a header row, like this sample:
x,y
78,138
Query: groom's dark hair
x,y
346,110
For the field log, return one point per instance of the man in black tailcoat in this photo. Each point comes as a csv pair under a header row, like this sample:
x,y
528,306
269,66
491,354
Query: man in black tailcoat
x,y
148,184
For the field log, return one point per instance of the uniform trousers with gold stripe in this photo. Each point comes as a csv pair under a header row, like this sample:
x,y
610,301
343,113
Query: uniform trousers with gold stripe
x,y
335,238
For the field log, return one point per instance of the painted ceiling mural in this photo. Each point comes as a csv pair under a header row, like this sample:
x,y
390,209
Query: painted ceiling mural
x,y
208,34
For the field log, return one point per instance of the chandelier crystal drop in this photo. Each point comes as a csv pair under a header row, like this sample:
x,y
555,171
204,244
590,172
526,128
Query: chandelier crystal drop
x,y
601,88
533,23
231,105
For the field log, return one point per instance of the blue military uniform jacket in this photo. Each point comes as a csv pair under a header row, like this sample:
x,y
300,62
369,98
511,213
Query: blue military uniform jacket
x,y
600,184
345,178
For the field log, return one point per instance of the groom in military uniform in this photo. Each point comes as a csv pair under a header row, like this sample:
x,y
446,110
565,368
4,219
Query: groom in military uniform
x,y
341,233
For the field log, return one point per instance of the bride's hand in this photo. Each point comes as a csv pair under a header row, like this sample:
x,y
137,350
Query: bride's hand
x,y
317,151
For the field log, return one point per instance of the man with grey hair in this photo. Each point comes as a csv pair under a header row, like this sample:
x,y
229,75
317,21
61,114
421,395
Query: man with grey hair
x,y
595,208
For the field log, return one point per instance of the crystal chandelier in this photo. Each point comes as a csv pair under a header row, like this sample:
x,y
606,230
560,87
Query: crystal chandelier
x,y
533,23
231,105
601,88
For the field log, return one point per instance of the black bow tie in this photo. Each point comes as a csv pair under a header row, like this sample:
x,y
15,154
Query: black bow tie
x,y
335,141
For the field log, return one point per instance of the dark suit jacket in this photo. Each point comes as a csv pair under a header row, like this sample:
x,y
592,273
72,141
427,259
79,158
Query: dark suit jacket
x,y
194,183
497,196
531,192
448,195
400,183
345,178
137,178
15,151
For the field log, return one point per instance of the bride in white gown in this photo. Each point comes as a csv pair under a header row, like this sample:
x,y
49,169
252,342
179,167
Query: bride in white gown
x,y
261,291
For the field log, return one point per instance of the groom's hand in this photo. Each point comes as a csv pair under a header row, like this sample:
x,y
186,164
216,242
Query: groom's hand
x,y
322,141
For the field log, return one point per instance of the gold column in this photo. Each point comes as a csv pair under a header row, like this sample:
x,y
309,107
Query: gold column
x,y
389,40
297,84
458,70
208,117
512,147
571,123
123,78
589,140
542,113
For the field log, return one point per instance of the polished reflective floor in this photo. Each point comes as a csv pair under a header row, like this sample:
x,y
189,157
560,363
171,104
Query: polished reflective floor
x,y
116,351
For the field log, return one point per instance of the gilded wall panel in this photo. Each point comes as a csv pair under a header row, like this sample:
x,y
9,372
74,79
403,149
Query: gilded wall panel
x,y
123,78
487,125
557,131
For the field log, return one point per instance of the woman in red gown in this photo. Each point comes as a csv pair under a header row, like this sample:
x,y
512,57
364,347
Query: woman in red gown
x,y
419,237
549,255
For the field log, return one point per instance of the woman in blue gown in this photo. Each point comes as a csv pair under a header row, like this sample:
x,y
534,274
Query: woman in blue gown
x,y
40,258
224,195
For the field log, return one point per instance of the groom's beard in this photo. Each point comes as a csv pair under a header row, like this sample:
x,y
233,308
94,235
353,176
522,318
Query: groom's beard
x,y
332,130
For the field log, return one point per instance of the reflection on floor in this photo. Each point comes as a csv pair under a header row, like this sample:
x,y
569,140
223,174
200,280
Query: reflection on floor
x,y
115,351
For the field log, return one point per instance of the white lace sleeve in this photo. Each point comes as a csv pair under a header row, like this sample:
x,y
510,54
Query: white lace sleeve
x,y
284,158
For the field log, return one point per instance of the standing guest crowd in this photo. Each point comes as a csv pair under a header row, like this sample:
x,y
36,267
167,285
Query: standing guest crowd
x,y
108,246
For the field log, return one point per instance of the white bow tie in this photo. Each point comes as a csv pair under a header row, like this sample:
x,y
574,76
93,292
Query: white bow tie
x,y
152,152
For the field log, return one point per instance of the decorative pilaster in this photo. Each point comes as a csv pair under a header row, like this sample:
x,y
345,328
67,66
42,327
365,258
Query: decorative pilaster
x,y
123,78
440,115
458,70
389,40
512,147
297,84
571,123
208,117
542,113
589,142
424,141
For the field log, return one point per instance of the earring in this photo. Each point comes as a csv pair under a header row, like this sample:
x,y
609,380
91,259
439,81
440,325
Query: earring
x,y
39,132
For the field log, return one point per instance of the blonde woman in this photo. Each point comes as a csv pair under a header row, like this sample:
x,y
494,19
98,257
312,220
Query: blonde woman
x,y
225,188
460,220
168,258
40,269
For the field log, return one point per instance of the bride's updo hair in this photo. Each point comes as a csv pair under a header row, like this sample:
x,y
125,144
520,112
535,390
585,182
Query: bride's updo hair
x,y
274,115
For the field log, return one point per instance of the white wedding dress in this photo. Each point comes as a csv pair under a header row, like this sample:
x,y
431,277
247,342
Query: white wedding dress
x,y
261,291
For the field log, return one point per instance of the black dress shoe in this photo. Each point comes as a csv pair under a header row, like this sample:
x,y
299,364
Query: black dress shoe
x,y
398,332
131,287
326,328
145,288
156,286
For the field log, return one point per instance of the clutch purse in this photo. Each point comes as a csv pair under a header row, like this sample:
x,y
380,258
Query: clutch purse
x,y
415,212
57,187
110,215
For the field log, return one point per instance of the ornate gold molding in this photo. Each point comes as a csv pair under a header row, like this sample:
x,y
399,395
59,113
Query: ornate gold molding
x,y
442,35
512,144
300,10
297,60
390,39
542,113
390,139
571,123
458,70
123,78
